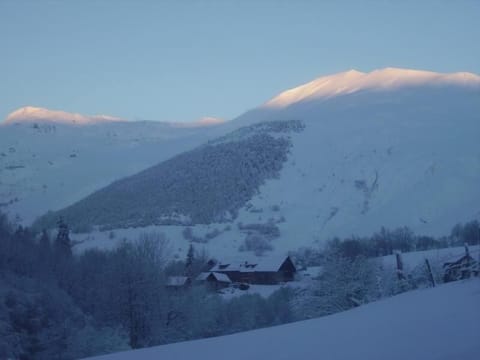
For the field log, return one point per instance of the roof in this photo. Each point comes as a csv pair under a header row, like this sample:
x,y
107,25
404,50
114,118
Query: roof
x,y
222,277
177,280
218,276
267,264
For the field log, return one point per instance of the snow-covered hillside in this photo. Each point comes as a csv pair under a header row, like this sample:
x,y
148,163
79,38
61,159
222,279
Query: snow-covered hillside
x,y
389,148
49,163
379,156
403,155
431,324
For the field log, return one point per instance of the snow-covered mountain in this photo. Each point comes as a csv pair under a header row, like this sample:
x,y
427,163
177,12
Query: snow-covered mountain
x,y
354,81
31,114
50,159
390,148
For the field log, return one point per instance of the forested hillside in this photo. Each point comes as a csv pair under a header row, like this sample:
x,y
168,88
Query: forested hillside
x,y
205,185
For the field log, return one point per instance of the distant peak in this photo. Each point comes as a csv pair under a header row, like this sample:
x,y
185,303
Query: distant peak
x,y
354,72
353,80
202,122
29,114
209,120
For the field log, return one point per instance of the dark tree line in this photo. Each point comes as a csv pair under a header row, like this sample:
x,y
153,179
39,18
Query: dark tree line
x,y
386,242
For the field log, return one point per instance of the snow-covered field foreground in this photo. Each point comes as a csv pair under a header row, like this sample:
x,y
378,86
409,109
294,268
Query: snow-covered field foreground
x,y
439,323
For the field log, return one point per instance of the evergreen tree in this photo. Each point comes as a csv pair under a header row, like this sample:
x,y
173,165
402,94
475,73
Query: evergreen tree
x,y
44,241
189,262
44,256
63,245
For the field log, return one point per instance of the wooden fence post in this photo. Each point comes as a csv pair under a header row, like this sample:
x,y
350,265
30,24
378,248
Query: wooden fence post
x,y
400,273
430,273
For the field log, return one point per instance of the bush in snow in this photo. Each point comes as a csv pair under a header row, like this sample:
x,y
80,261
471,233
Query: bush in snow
x,y
346,283
188,235
256,243
268,230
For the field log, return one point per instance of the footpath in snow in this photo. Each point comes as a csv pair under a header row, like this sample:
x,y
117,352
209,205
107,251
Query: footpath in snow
x,y
442,323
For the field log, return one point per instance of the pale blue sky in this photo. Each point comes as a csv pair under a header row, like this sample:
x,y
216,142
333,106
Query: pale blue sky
x,y
181,60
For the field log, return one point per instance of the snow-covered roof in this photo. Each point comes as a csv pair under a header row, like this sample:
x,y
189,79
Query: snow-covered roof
x,y
177,280
267,264
222,277
219,276
203,276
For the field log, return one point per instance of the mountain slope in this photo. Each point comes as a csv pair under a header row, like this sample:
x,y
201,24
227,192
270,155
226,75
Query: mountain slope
x,y
202,186
47,165
407,326
405,156
389,148
370,159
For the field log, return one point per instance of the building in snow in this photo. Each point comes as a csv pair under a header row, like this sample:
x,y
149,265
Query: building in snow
x,y
266,271
178,282
214,280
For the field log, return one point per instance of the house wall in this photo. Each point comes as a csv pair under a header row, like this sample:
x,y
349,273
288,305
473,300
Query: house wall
x,y
260,277
215,285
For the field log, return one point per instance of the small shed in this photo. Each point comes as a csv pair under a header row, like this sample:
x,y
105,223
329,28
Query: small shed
x,y
214,280
178,282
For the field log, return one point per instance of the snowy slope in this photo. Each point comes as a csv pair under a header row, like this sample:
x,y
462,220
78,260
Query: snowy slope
x,y
393,148
389,148
46,164
430,324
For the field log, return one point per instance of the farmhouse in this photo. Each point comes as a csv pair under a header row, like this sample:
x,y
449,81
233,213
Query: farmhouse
x,y
266,271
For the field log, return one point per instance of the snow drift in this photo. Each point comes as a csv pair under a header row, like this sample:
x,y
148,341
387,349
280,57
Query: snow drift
x,y
431,324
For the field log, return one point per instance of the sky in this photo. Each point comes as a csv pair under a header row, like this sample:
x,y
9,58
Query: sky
x,y
183,60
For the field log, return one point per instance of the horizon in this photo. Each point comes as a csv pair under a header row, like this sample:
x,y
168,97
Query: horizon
x,y
183,62
209,120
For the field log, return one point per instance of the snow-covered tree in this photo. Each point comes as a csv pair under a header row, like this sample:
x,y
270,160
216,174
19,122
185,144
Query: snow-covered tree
x,y
346,283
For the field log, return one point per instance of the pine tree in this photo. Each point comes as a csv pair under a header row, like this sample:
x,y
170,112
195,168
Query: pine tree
x,y
44,241
189,261
63,245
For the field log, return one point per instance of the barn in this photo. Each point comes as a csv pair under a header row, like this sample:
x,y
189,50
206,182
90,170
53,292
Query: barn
x,y
265,271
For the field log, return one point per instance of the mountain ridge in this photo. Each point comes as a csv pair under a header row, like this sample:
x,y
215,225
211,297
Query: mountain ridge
x,y
352,81
39,115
